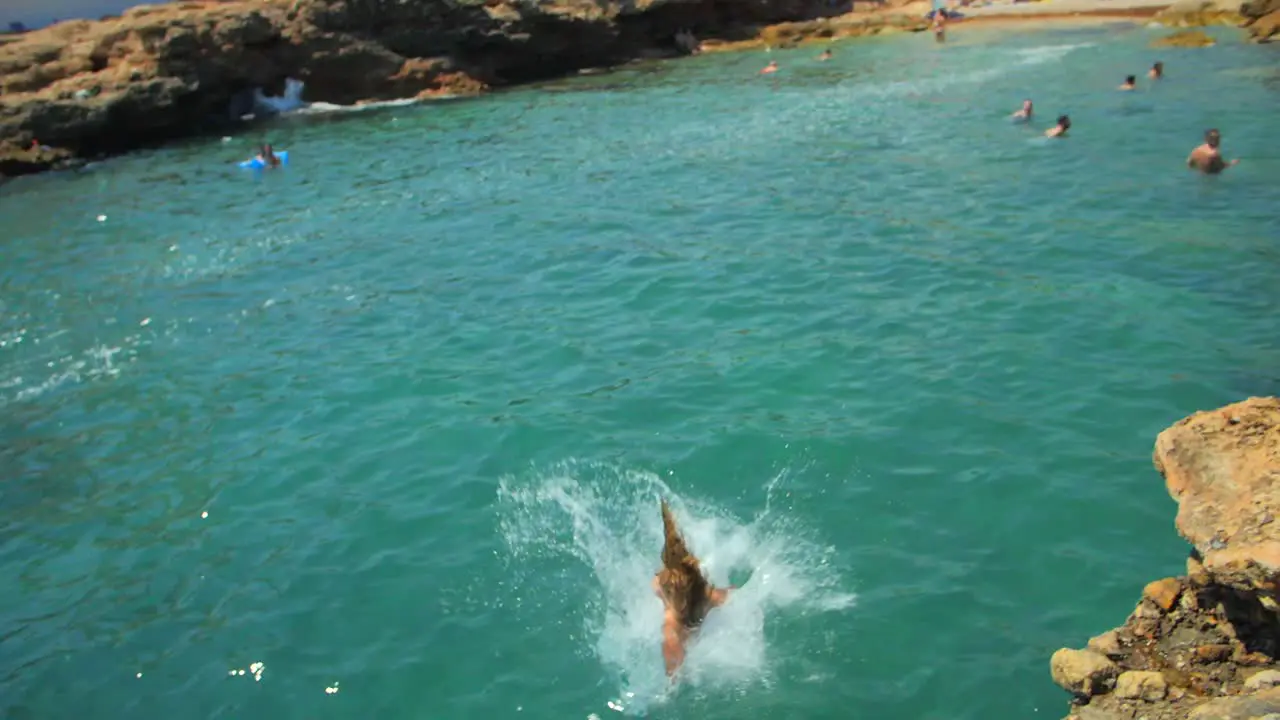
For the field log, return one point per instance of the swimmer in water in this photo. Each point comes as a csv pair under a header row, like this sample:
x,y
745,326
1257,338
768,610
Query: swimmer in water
x,y
1059,130
1157,71
1025,112
826,55
1207,158
772,67
687,596
1130,82
268,156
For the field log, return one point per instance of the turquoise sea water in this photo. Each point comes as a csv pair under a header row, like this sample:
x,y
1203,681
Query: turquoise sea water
x,y
897,362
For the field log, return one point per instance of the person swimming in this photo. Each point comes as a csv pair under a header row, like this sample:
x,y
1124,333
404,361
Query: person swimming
x,y
1025,112
825,55
1130,82
772,67
1059,130
687,596
1157,71
267,156
1207,158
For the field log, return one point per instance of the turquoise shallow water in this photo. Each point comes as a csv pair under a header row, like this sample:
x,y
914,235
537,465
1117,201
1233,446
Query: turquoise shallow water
x,y
898,363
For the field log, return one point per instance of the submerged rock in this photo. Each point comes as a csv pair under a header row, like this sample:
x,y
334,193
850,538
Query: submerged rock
x,y
1216,632
1186,39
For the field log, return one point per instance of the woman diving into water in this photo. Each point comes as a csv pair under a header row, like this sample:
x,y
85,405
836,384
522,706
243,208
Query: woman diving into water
x,y
687,596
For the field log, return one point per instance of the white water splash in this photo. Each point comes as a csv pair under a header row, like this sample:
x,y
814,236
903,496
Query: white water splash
x,y
97,362
290,100
606,520
321,108
1048,53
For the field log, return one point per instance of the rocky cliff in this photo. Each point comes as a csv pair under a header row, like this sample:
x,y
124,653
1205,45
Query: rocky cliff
x,y
1261,18
1204,646
85,88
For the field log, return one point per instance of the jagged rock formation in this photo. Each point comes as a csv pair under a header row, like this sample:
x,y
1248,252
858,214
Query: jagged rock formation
x,y
1205,646
85,88
1262,19
1200,13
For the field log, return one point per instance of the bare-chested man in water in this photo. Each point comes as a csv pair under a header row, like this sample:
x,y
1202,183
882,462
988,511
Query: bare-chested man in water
x,y
1208,157
687,596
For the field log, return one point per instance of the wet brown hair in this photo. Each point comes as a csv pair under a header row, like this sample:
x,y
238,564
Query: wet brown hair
x,y
681,578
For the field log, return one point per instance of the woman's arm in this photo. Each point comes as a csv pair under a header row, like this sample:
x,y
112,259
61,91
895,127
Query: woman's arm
x,y
672,643
719,596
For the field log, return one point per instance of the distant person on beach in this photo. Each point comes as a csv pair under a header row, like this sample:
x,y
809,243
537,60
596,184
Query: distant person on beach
x,y
1207,158
1059,130
826,55
1025,112
687,596
268,156
1130,82
772,67
940,25
1156,72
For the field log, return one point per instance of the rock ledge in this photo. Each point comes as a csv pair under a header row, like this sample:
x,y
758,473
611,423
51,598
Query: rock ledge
x,y
1202,646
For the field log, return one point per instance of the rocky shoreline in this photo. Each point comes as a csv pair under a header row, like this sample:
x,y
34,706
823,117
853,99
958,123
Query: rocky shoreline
x,y
1206,645
85,89
82,89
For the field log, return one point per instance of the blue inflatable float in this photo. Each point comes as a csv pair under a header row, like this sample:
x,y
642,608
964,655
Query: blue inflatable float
x,y
257,164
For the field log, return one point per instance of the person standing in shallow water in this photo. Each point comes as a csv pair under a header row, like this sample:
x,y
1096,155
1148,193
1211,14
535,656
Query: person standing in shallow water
x,y
940,25
687,596
1207,158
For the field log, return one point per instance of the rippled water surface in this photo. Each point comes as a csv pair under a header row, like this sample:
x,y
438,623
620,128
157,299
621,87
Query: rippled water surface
x,y
394,422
